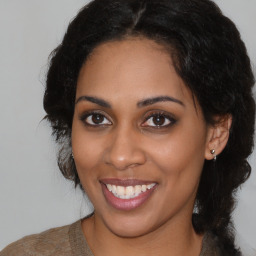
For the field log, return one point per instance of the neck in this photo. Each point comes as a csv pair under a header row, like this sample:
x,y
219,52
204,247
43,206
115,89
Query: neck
x,y
173,238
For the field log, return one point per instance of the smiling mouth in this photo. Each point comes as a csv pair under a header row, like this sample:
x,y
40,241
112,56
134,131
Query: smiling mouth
x,y
127,194
129,191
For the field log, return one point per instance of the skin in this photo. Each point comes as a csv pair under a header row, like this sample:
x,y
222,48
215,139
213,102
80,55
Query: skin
x,y
128,143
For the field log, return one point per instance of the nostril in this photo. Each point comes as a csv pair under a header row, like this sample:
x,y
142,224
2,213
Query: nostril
x,y
122,166
124,151
122,160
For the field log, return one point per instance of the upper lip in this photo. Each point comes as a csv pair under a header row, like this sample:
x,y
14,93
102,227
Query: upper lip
x,y
125,182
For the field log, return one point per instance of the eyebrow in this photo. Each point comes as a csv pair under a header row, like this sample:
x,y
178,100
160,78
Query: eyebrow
x,y
95,100
140,104
154,100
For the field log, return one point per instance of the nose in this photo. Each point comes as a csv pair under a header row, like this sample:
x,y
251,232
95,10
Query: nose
x,y
125,150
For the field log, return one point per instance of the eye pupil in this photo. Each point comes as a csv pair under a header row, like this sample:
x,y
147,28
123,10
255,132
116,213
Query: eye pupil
x,y
97,118
158,120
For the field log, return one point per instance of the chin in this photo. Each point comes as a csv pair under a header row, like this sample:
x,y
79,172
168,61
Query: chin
x,y
130,226
130,231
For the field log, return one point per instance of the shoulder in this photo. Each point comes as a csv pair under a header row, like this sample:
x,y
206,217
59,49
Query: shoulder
x,y
54,241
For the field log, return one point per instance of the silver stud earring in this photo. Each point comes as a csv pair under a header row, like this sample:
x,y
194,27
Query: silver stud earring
x,y
72,155
214,154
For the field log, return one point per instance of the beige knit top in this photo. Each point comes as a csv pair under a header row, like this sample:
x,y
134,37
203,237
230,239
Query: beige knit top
x,y
70,241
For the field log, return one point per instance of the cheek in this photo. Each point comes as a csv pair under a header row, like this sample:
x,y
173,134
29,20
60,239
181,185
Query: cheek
x,y
87,156
179,167
180,154
86,149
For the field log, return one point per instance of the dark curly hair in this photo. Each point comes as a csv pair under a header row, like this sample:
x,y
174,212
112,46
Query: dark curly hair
x,y
208,55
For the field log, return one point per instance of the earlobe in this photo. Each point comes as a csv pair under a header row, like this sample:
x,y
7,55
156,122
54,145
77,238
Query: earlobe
x,y
213,154
218,136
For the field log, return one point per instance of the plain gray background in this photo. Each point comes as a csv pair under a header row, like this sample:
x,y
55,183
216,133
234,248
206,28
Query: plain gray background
x,y
33,194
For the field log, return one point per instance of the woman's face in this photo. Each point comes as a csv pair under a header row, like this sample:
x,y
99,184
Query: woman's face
x,y
139,140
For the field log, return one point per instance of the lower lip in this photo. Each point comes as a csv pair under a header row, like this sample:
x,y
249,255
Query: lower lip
x,y
126,204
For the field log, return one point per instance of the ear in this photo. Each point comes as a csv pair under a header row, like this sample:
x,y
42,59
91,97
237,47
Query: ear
x,y
217,136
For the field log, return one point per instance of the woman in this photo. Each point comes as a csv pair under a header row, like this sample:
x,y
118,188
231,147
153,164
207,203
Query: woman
x,y
151,102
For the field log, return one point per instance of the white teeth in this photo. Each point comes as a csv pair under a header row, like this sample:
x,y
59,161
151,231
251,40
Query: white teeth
x,y
150,186
109,187
137,189
120,190
129,191
113,190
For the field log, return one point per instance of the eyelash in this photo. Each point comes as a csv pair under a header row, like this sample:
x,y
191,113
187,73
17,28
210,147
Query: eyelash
x,y
86,115
159,114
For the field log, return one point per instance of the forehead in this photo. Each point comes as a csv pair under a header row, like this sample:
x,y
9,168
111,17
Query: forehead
x,y
133,68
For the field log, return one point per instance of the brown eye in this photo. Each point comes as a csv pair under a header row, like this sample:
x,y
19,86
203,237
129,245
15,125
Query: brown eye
x,y
96,119
159,120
